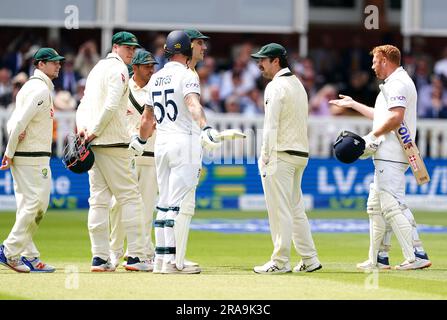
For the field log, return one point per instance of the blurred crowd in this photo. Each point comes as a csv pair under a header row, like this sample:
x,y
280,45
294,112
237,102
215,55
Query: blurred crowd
x,y
235,85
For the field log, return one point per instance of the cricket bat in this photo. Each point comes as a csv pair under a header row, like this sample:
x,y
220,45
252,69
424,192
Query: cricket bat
x,y
415,160
231,134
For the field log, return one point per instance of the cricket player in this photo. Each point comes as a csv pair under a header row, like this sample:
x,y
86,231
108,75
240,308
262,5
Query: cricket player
x,y
386,202
199,47
28,155
101,118
284,156
143,64
174,94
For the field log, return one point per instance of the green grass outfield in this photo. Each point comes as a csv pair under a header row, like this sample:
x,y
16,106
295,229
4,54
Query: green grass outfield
x,y
227,261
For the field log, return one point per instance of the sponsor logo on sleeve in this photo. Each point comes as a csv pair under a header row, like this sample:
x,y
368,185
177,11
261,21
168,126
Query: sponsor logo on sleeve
x,y
192,85
398,99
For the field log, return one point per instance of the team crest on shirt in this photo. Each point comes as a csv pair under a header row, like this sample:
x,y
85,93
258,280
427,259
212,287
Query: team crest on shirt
x,y
45,173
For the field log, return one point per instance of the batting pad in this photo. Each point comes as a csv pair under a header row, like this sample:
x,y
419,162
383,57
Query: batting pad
x,y
400,224
181,231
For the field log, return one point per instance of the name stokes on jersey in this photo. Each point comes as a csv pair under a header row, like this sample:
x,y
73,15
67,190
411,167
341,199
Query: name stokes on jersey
x,y
163,80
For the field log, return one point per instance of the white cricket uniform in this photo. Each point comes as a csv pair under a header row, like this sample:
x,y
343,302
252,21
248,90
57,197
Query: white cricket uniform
x,y
178,152
103,112
386,204
31,161
390,159
144,167
285,145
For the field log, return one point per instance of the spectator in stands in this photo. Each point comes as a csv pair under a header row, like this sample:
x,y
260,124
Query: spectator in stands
x,y
319,104
80,87
421,75
441,65
17,83
68,77
306,73
325,59
15,59
253,102
432,100
359,88
355,58
86,58
212,101
236,81
158,51
232,104
64,102
5,86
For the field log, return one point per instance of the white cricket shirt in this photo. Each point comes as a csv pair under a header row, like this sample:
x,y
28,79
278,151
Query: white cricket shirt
x,y
400,91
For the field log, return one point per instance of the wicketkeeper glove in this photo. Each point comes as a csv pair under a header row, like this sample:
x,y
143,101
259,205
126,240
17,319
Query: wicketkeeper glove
x,y
209,138
136,145
371,145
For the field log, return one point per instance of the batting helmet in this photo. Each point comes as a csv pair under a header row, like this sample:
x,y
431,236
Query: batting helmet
x,y
178,41
78,157
348,147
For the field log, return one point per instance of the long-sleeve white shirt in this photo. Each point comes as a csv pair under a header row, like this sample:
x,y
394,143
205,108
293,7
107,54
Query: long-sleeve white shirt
x,y
286,115
34,115
104,106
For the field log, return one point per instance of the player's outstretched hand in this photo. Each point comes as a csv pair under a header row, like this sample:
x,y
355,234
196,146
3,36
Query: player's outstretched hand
x,y
209,138
371,145
6,163
136,145
344,101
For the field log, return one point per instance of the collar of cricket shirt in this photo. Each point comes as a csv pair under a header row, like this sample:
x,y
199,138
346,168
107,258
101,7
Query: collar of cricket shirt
x,y
394,74
281,72
114,55
134,86
44,77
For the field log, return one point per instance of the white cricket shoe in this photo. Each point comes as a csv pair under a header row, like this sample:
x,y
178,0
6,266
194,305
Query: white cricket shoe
x,y
158,264
272,268
416,264
368,266
101,265
190,263
135,264
170,267
115,257
14,264
302,267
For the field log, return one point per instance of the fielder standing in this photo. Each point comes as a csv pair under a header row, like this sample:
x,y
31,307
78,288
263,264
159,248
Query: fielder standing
x,y
28,155
174,98
284,156
198,45
144,166
386,202
101,117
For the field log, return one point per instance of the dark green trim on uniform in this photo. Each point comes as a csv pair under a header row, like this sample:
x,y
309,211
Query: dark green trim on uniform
x,y
159,224
165,250
136,105
113,145
32,154
297,153
148,154
287,74
174,208
162,209
169,223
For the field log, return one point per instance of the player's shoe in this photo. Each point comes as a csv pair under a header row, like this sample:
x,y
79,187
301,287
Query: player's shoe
x,y
36,265
135,264
14,264
302,267
158,265
383,263
190,263
115,257
416,264
272,268
171,268
421,255
101,265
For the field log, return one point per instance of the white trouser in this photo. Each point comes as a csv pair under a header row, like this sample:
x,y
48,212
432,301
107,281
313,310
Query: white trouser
x,y
286,211
32,185
147,184
179,160
112,175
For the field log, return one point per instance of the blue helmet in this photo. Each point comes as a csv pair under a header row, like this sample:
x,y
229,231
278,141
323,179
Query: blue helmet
x,y
178,41
348,147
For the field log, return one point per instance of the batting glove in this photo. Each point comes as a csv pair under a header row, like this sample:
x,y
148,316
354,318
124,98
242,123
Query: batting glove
x,y
209,138
136,145
371,145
